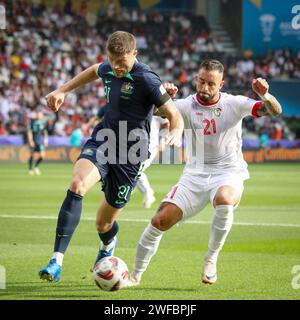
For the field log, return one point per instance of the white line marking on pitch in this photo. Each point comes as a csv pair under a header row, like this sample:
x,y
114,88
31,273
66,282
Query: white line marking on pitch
x,y
288,225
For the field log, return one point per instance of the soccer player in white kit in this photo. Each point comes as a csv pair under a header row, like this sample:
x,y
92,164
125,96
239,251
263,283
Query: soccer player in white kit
x,y
215,172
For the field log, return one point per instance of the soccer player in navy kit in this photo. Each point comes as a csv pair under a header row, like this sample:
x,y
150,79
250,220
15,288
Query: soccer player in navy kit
x,y
132,91
37,139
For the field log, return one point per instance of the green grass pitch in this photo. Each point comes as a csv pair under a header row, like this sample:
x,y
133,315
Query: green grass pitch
x,y
255,263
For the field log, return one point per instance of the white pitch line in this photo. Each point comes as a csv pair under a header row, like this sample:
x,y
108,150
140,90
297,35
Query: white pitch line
x,y
288,225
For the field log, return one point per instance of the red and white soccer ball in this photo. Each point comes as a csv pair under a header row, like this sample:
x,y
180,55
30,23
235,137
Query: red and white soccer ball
x,y
110,273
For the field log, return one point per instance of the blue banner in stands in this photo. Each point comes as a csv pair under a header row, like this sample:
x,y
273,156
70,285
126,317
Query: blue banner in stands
x,y
287,93
271,24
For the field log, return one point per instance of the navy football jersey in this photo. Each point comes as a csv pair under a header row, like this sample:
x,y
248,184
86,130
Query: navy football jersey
x,y
131,99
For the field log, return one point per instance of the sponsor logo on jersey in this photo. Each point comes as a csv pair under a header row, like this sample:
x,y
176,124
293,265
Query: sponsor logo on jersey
x,y
127,88
218,112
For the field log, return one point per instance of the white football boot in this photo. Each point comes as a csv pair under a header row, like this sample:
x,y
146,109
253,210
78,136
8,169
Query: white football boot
x,y
131,281
209,275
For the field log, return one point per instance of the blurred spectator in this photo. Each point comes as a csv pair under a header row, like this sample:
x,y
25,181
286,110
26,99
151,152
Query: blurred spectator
x,y
277,132
33,62
264,140
76,137
2,129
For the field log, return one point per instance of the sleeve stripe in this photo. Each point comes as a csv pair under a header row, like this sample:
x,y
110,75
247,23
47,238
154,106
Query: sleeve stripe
x,y
164,98
256,106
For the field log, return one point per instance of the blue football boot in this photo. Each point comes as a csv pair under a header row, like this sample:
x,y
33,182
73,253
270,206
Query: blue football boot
x,y
107,250
51,272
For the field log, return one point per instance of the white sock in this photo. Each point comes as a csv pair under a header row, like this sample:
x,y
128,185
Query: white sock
x,y
59,257
147,247
143,184
221,224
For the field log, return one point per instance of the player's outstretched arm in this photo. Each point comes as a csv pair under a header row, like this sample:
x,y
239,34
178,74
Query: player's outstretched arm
x,y
169,111
56,98
271,106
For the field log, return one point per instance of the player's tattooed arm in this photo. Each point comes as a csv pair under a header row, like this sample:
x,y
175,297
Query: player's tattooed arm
x,y
271,106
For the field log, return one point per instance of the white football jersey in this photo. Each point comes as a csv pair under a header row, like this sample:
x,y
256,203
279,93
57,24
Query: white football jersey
x,y
213,132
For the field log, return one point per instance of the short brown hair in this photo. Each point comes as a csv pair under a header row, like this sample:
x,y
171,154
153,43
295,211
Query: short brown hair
x,y
212,65
120,43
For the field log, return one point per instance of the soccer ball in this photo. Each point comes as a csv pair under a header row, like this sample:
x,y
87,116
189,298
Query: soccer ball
x,y
110,273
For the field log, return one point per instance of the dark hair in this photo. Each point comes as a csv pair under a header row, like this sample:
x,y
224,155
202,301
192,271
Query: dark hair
x,y
120,43
212,65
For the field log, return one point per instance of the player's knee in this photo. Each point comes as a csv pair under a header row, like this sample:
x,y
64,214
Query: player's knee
x,y
78,185
164,219
160,223
226,198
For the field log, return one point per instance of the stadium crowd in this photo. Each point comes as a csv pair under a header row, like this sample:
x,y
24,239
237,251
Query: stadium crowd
x,y
43,48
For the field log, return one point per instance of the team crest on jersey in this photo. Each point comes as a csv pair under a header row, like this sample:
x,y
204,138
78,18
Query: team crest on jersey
x,y
218,112
127,88
88,152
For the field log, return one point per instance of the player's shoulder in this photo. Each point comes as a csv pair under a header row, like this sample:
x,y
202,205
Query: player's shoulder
x,y
184,105
104,65
144,72
189,100
103,69
228,98
140,67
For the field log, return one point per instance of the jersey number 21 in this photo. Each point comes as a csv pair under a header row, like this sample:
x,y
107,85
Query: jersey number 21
x,y
209,127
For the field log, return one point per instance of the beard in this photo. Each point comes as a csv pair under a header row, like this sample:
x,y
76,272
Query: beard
x,y
205,97
120,74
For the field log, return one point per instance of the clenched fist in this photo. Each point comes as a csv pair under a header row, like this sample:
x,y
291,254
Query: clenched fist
x,y
260,86
171,89
55,99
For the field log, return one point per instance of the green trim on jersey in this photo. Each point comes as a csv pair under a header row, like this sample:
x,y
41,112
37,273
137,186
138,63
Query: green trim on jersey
x,y
127,75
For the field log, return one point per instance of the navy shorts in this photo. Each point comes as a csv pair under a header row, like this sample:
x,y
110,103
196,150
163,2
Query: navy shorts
x,y
118,180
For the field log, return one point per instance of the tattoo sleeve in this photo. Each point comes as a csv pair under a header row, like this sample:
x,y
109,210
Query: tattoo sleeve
x,y
271,107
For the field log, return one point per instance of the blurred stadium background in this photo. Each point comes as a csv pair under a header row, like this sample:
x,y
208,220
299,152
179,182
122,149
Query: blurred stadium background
x,y
43,43
47,42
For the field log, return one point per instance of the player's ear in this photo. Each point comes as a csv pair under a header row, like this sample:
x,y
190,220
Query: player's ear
x,y
135,52
195,79
222,84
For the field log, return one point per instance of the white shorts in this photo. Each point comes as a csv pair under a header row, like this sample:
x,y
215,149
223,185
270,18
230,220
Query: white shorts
x,y
194,191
